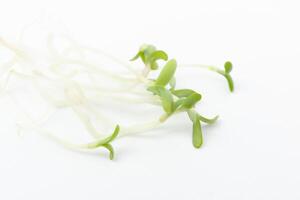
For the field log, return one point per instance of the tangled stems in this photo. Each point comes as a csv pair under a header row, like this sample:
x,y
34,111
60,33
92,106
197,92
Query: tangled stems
x,y
160,92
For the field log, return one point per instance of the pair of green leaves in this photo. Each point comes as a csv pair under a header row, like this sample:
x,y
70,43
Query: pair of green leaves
x,y
158,87
106,142
150,55
186,98
197,130
196,118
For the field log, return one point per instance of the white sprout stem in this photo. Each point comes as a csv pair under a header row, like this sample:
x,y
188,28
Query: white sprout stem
x,y
138,128
144,127
9,75
3,87
59,103
125,89
74,48
98,51
94,68
130,83
26,116
140,100
126,86
209,67
12,47
7,66
98,116
78,100
146,71
103,91
53,137
87,122
129,67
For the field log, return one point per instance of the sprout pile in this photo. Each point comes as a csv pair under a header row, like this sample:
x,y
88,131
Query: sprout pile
x,y
64,90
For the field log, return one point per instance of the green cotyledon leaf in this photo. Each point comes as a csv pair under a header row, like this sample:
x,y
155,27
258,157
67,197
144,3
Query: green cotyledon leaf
x,y
155,89
183,92
166,97
193,115
167,102
226,73
154,56
228,67
207,120
178,103
144,53
158,55
197,134
150,55
166,73
136,56
191,100
187,98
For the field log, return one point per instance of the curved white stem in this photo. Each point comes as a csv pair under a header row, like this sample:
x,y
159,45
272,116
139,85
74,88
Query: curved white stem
x,y
209,67
138,128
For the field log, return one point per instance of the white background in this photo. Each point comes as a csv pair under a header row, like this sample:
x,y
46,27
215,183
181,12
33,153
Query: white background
x,y
252,153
